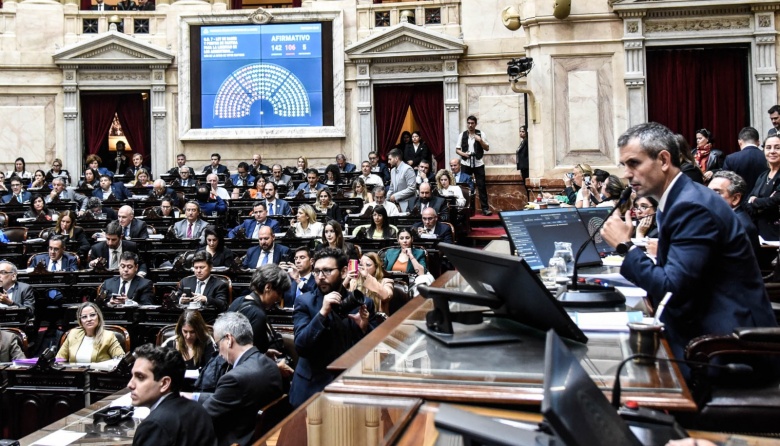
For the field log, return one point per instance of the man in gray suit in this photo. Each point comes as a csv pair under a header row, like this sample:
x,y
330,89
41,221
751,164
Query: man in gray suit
x,y
58,191
15,294
403,185
192,226
9,347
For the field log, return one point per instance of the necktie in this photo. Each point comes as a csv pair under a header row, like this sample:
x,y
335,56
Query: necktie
x,y
199,288
189,231
114,260
123,288
127,232
270,208
256,232
264,261
19,198
239,182
54,266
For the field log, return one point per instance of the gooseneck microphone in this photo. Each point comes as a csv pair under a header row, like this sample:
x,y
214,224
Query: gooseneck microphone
x,y
732,369
594,295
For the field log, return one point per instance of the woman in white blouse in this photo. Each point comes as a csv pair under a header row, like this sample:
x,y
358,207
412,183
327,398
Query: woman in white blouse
x,y
445,184
20,170
305,223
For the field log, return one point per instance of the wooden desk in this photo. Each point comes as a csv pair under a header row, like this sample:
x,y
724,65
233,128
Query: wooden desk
x,y
397,359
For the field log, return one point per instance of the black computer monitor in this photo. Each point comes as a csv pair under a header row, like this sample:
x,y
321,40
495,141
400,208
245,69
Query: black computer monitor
x,y
575,408
593,218
532,235
510,278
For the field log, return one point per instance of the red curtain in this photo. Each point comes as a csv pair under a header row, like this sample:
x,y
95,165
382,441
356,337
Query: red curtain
x,y
131,111
428,109
97,113
297,3
689,89
236,4
392,102
86,5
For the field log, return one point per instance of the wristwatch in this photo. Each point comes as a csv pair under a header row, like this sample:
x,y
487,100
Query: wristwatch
x,y
624,247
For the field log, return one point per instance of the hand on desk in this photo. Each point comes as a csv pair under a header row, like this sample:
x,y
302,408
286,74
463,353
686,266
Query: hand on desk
x,y
194,298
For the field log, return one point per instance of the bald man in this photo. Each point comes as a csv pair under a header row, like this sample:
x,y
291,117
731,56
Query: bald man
x,y
460,177
131,227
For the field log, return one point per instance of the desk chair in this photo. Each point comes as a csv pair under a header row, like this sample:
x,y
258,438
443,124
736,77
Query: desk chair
x,y
169,331
78,259
16,234
121,333
20,336
747,403
3,220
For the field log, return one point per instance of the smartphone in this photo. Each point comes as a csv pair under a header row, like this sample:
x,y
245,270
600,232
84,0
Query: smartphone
x,y
187,291
353,265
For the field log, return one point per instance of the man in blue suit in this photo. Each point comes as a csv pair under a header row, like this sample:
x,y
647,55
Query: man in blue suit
x,y
252,225
704,257
108,188
22,196
321,334
266,252
56,259
460,177
311,186
275,206
303,281
344,166
243,177
378,167
749,162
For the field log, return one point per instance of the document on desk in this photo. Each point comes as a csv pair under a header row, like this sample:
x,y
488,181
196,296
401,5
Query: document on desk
x,y
60,438
768,242
606,320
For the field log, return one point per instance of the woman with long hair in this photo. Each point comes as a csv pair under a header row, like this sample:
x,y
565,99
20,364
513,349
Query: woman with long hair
x,y
446,187
91,179
326,206
645,209
38,209
706,158
20,170
215,245
359,190
687,165
38,180
66,227
333,237
141,179
305,223
379,228
406,258
301,164
370,281
192,340
89,342
332,175
416,151
763,204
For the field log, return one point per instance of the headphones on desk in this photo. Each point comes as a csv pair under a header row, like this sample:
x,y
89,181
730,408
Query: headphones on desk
x,y
113,415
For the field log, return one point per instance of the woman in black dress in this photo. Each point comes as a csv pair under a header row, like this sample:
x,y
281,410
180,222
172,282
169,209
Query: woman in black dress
x,y
417,151
215,245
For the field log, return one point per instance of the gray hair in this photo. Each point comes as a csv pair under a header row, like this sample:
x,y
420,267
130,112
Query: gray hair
x,y
653,138
234,324
270,274
13,267
738,184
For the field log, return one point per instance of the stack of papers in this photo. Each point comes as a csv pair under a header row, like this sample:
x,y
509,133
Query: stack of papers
x,y
606,320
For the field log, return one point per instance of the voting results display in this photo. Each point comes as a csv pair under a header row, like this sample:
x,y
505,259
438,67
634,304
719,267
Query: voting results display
x,y
259,76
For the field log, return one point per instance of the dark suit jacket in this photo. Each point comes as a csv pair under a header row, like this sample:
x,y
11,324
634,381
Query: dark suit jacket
x,y
439,204
26,196
443,232
223,257
249,226
714,160
349,167
140,289
221,170
118,190
423,154
765,209
253,254
130,6
252,383
257,319
100,249
707,262
292,294
105,8
748,163
170,193
177,421
391,255
693,172
319,340
282,205
24,297
67,262
750,229
138,229
250,179
464,178
216,291
9,347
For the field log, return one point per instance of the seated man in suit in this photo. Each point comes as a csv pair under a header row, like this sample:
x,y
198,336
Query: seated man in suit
x,y
460,177
108,188
186,178
426,200
208,204
192,226
216,190
311,186
9,347
243,177
371,179
206,289
160,190
431,228
378,167
181,161
59,192
138,165
253,382
156,380
127,285
732,188
215,167
275,206
321,333
112,248
266,252
56,259
424,174
101,6
252,225
131,226
17,192
96,209
301,277
14,294
257,168
344,166
278,176
380,200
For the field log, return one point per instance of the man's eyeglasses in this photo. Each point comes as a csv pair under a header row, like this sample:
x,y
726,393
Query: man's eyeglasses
x,y
221,339
323,272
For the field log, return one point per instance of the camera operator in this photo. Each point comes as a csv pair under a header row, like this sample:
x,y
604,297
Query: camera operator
x,y
328,321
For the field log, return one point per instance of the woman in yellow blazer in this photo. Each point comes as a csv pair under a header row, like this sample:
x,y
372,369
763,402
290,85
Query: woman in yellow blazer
x,y
89,343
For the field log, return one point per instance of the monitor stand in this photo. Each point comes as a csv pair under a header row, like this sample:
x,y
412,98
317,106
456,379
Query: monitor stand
x,y
591,296
463,334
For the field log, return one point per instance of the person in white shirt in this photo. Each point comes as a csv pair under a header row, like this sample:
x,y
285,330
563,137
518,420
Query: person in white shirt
x,y
369,178
379,200
305,223
445,184
471,147
216,190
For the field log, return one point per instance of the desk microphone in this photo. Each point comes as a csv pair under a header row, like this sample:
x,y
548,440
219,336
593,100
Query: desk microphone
x,y
737,369
594,295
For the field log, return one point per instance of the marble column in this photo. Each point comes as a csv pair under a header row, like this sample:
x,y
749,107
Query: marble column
x,y
70,113
764,51
159,147
635,76
364,107
451,109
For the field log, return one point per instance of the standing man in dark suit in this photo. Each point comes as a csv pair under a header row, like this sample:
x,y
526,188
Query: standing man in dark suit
x,y
112,249
749,162
126,285
303,281
266,252
427,200
253,382
252,225
430,227
472,147
15,294
131,227
206,290
57,259
704,257
157,377
215,167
